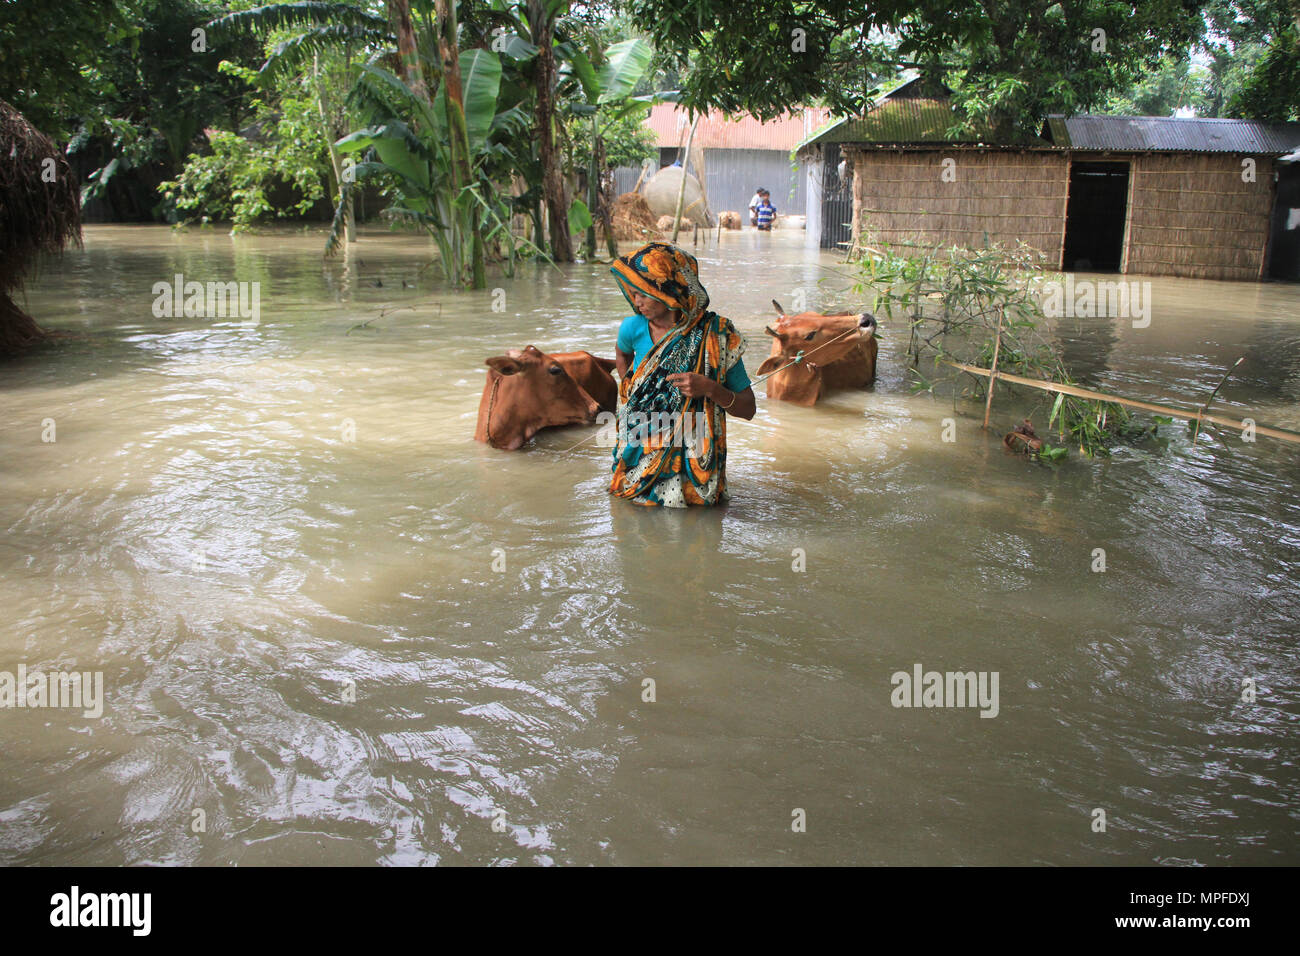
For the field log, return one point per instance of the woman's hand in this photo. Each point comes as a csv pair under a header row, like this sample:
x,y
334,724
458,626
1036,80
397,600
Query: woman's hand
x,y
692,385
740,404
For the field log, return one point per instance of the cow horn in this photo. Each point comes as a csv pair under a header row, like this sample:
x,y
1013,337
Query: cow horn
x,y
779,310
768,330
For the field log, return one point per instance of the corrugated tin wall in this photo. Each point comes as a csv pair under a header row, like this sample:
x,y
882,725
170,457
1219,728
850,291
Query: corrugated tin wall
x,y
1192,215
732,175
836,223
625,178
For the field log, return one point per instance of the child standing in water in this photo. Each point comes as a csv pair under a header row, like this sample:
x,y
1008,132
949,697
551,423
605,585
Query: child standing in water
x,y
764,212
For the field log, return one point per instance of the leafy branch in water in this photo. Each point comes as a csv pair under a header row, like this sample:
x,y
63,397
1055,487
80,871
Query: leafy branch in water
x,y
958,303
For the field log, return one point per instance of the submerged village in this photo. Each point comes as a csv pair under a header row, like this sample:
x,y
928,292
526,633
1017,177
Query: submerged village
x,y
643,434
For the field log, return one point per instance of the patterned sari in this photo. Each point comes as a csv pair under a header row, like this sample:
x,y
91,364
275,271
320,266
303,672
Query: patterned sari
x,y
672,450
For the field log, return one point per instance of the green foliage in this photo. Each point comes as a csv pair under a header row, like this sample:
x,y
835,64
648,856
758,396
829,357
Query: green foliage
x,y
627,140
1009,62
958,302
1271,92
1174,85
232,180
52,54
154,92
1245,63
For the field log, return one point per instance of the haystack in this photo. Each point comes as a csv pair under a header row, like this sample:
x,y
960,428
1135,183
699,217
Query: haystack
x,y
632,219
40,211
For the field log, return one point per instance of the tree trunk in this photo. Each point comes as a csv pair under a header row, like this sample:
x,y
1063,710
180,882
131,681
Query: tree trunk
x,y
605,199
399,12
18,330
325,109
461,173
543,24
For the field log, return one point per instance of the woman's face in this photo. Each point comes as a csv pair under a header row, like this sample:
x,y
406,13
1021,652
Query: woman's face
x,y
652,309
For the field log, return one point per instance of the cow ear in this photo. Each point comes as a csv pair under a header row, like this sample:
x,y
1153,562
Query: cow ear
x,y
770,364
607,364
503,364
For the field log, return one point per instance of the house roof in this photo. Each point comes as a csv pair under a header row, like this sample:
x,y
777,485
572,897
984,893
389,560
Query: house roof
x,y
671,124
908,112
1171,134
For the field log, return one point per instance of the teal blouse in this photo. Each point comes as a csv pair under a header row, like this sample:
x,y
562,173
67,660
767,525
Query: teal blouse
x,y
634,339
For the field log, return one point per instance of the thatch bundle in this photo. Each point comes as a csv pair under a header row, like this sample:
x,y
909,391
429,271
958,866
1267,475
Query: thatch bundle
x,y
632,219
40,211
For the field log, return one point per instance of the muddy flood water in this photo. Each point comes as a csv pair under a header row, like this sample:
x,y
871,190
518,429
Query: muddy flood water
x,y
333,629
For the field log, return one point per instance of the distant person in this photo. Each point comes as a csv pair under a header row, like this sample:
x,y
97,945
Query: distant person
x,y
753,205
764,213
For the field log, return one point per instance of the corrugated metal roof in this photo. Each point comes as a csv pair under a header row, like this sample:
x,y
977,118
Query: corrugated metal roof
x,y
908,112
909,120
1172,134
671,124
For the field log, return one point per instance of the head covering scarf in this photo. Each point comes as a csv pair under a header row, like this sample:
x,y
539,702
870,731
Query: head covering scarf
x,y
672,450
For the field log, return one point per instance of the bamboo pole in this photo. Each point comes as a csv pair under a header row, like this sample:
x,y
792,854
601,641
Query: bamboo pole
x,y
993,370
1200,414
681,193
1077,392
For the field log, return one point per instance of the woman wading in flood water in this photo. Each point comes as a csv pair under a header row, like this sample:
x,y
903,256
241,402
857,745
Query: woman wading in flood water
x,y
681,373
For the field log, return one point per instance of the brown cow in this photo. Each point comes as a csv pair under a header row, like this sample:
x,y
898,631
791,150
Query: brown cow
x,y
528,390
839,349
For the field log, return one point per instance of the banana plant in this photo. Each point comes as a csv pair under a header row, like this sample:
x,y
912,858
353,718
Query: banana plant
x,y
410,143
606,81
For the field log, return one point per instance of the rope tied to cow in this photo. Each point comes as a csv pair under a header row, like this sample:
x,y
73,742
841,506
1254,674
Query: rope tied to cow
x,y
801,355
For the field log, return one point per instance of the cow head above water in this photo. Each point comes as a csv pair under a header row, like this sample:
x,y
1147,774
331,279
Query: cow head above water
x,y
839,351
528,390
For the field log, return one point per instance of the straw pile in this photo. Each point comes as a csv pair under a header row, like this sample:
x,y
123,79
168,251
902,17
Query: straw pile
x,y
632,219
40,212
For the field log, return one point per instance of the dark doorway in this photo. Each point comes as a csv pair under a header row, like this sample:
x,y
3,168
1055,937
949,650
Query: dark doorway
x,y
1284,248
1094,218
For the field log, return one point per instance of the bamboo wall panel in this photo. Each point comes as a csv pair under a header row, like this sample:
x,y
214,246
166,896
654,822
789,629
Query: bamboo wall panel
x,y
996,195
1189,214
1193,216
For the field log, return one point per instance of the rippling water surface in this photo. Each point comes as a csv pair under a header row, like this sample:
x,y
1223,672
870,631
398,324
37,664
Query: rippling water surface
x,y
304,637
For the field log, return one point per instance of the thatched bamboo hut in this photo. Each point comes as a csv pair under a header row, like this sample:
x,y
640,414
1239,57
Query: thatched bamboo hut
x,y
1151,195
40,212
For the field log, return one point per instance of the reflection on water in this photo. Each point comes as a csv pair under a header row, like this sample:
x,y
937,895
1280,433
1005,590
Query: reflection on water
x,y
370,650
